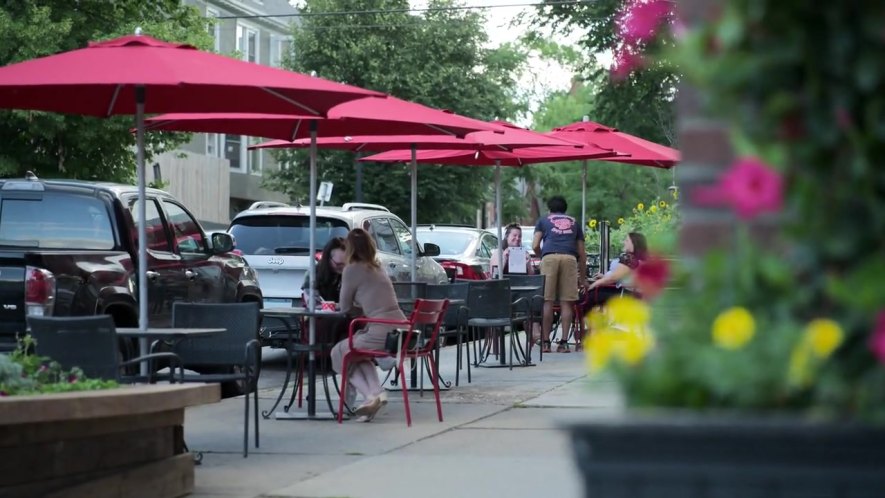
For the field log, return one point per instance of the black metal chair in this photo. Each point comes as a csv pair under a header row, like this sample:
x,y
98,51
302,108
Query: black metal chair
x,y
490,309
234,356
91,344
529,306
454,321
407,292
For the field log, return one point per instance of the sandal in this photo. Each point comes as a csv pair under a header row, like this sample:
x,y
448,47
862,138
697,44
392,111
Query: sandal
x,y
545,345
562,347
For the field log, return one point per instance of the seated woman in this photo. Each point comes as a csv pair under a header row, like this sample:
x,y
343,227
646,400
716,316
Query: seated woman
x,y
513,238
618,280
365,284
328,287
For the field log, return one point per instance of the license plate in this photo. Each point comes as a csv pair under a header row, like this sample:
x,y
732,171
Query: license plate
x,y
277,303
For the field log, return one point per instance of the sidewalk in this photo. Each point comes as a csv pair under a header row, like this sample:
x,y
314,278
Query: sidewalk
x,y
499,437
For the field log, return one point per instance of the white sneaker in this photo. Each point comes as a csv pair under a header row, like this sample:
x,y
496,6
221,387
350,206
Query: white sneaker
x,y
385,362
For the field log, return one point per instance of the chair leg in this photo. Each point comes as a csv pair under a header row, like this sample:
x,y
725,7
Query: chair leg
x,y
467,352
458,358
343,390
405,390
255,408
246,425
435,380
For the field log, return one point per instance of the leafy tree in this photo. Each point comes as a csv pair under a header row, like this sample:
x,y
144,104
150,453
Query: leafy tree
x,y
437,59
58,145
640,104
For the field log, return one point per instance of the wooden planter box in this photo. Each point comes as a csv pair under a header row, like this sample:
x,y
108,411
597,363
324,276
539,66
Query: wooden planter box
x,y
694,456
125,442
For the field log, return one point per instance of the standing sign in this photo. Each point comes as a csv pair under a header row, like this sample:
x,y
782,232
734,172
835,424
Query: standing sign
x,y
324,193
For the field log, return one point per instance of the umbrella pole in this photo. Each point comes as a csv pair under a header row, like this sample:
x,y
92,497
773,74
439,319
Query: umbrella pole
x,y
584,197
498,218
142,230
414,213
311,294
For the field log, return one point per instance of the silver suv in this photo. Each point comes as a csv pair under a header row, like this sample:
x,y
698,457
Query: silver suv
x,y
274,239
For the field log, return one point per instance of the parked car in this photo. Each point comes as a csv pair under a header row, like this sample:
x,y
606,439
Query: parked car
x,y
274,239
464,251
69,248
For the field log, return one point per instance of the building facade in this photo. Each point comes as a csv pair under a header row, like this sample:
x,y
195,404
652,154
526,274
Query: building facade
x,y
257,31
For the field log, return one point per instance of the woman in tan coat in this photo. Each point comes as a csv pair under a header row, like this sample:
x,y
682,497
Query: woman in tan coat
x,y
365,286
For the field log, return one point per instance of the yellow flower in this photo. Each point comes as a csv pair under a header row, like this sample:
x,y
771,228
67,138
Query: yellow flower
x,y
604,345
599,350
628,312
663,205
652,209
733,328
634,347
592,223
621,221
640,206
676,195
823,336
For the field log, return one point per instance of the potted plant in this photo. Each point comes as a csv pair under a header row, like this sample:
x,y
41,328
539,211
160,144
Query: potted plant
x,y
760,370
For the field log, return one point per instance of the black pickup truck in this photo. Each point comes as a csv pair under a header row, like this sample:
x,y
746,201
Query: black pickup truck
x,y
70,248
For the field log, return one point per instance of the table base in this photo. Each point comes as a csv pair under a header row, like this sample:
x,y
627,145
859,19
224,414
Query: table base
x,y
300,415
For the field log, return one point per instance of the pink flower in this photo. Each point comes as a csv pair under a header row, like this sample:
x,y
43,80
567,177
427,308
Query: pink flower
x,y
652,276
877,341
625,63
749,186
641,19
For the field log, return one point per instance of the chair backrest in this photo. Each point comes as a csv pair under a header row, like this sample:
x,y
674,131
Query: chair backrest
x,y
227,349
530,280
457,290
427,313
87,342
489,299
409,290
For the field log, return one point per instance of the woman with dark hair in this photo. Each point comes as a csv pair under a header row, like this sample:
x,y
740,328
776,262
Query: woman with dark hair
x,y
620,279
365,285
328,287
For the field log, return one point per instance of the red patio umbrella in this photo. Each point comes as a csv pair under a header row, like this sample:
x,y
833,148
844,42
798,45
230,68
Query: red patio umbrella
x,y
504,136
516,158
138,74
376,116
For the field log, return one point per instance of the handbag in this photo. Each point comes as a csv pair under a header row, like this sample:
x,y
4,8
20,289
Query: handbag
x,y
392,341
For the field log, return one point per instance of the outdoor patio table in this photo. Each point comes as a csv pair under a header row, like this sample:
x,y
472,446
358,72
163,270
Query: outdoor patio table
x,y
171,334
517,292
287,315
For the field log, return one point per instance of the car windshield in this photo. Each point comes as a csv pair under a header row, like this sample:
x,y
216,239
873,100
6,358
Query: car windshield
x,y
56,221
450,243
283,234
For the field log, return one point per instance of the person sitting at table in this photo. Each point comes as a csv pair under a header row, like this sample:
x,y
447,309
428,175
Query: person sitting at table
x,y
328,272
513,238
618,280
365,284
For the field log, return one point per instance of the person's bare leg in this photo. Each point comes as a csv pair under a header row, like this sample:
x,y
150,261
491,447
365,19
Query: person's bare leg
x,y
547,322
566,314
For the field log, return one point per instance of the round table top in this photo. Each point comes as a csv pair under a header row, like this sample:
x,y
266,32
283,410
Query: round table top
x,y
300,311
169,331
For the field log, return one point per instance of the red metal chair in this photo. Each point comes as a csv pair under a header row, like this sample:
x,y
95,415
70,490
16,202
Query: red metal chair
x,y
426,313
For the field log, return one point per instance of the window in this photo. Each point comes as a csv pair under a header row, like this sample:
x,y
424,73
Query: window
x,y
279,49
56,221
284,234
187,232
233,150
254,157
385,239
213,144
403,234
214,28
247,42
488,244
156,232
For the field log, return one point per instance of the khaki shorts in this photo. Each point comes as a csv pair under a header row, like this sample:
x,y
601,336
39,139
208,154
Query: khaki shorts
x,y
560,277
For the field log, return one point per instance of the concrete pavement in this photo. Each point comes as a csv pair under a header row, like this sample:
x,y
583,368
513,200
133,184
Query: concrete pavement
x,y
500,437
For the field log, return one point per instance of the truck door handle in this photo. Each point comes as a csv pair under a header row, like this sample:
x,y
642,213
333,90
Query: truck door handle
x,y
152,275
190,274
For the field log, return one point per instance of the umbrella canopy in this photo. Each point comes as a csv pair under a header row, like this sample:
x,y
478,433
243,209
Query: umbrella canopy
x,y
139,74
101,80
389,116
516,157
632,149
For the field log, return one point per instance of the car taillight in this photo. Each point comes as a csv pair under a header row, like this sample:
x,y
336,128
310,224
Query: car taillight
x,y
463,271
39,291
